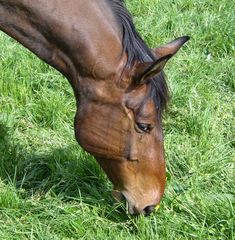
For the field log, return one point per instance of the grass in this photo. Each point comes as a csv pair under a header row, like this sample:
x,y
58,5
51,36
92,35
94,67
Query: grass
x,y
51,189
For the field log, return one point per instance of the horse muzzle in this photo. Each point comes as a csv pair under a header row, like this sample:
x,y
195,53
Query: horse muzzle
x,y
132,208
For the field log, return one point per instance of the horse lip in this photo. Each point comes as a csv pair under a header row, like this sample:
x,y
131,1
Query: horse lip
x,y
118,195
130,208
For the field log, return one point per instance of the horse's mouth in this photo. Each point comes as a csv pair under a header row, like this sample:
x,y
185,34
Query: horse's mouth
x,y
120,197
117,195
130,208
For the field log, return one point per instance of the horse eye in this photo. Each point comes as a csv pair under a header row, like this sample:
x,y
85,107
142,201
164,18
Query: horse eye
x,y
144,127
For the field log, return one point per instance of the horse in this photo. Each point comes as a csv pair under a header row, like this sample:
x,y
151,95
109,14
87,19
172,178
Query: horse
x,y
118,83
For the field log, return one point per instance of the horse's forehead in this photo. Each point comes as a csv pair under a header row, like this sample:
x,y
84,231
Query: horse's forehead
x,y
138,95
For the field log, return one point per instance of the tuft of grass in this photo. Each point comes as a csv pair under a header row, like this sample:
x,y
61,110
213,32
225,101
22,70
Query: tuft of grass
x,y
51,189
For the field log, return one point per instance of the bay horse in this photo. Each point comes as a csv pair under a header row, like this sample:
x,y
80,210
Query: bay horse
x,y
118,83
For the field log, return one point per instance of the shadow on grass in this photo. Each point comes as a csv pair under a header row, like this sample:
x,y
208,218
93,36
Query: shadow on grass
x,y
62,171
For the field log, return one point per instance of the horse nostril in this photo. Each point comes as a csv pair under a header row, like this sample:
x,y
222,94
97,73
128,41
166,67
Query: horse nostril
x,y
149,209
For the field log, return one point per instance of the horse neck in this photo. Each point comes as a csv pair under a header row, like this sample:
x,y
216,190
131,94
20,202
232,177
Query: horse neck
x,y
74,36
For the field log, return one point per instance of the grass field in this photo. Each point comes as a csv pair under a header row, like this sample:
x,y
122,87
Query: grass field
x,y
51,189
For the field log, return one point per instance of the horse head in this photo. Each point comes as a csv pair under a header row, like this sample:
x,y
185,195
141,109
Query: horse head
x,y
119,122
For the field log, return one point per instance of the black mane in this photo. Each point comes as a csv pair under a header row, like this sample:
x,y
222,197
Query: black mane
x,y
137,50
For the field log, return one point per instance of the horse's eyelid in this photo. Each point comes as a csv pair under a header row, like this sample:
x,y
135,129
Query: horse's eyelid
x,y
145,127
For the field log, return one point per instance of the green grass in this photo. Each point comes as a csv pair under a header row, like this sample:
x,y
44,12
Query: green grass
x,y
51,189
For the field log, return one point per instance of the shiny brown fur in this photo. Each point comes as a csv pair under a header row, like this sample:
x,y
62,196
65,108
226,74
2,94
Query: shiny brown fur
x,y
118,120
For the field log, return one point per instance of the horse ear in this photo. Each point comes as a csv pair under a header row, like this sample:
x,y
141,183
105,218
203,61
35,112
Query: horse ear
x,y
171,47
145,71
